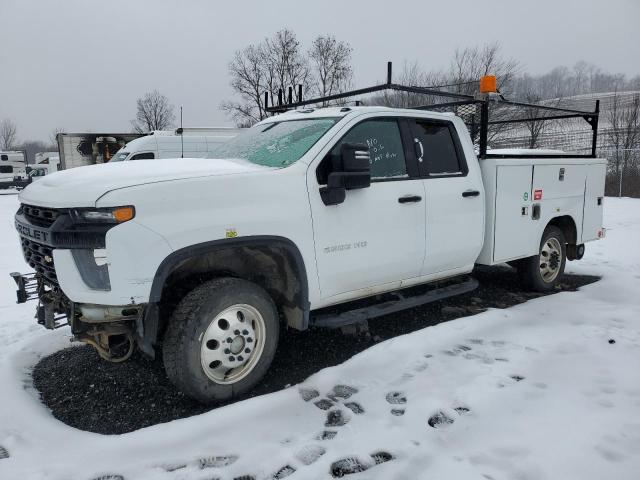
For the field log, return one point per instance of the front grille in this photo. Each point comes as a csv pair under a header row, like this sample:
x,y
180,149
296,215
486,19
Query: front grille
x,y
40,258
40,216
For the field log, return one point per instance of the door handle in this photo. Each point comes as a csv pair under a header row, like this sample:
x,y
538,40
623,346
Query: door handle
x,y
417,143
470,193
410,199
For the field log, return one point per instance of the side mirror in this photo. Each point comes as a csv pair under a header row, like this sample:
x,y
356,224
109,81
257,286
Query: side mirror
x,y
353,171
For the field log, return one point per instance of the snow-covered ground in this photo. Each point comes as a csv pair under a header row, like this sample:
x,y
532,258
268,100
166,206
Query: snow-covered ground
x,y
536,391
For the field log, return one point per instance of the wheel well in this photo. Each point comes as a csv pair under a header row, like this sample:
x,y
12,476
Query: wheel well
x,y
276,266
568,228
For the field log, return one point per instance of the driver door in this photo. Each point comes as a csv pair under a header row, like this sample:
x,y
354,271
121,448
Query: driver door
x,y
376,237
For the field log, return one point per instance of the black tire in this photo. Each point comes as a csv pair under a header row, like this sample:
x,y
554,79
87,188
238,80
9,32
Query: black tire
x,y
532,274
194,317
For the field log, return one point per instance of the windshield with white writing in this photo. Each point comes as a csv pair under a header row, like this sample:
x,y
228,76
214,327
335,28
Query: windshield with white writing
x,y
277,144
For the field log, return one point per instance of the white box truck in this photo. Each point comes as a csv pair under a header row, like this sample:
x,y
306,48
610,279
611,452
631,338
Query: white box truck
x,y
314,208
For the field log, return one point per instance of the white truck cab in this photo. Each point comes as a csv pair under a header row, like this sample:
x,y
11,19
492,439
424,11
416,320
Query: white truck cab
x,y
191,143
295,218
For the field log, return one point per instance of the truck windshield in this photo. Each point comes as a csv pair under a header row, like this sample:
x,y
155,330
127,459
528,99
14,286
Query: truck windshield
x,y
277,144
119,156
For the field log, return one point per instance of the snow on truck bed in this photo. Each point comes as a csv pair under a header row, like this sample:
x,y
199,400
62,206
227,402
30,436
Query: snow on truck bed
x,y
549,389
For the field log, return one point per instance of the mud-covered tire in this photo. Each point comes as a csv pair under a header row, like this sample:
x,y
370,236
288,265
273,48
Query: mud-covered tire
x,y
542,272
192,323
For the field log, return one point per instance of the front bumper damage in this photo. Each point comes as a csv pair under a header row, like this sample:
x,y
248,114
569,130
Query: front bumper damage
x,y
43,234
53,310
109,329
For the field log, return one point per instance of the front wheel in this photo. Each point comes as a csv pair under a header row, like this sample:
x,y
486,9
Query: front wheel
x,y
221,339
542,272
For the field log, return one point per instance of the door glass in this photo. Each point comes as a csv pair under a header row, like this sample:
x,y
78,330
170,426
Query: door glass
x,y
435,145
385,147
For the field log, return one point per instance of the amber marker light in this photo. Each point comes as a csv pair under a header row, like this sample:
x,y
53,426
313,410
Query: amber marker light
x,y
123,214
488,84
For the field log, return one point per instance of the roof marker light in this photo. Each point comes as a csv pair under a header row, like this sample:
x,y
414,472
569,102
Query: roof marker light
x,y
488,84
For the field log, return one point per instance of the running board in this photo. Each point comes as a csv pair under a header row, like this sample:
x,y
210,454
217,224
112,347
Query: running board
x,y
349,317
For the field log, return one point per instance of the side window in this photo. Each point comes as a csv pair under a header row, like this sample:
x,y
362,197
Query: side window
x,y
6,169
385,148
436,148
143,156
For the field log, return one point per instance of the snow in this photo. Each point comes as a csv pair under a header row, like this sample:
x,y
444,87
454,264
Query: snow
x,y
548,396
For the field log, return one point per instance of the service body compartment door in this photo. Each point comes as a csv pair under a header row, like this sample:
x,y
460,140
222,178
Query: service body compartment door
x,y
593,202
515,231
559,190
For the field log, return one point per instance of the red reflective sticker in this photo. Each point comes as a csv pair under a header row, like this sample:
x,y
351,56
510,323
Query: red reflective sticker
x,y
537,194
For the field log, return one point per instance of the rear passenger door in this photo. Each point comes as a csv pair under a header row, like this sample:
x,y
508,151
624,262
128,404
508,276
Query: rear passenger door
x,y
454,203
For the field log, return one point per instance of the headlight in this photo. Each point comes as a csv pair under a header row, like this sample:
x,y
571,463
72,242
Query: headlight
x,y
103,215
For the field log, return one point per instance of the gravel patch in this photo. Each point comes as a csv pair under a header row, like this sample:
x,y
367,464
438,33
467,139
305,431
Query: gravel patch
x,y
90,394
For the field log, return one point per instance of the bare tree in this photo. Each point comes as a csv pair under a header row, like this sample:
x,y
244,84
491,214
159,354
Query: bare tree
x,y
331,65
535,123
471,63
624,137
154,113
248,81
7,134
53,137
462,76
274,65
284,63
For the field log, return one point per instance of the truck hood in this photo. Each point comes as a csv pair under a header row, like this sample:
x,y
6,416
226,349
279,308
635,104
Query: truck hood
x,y
83,186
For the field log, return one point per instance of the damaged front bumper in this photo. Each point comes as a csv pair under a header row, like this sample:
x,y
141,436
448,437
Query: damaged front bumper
x,y
53,310
111,330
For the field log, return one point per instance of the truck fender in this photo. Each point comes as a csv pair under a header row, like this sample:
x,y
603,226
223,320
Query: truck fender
x,y
287,281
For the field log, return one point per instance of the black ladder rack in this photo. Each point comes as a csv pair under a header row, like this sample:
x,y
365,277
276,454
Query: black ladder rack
x,y
481,102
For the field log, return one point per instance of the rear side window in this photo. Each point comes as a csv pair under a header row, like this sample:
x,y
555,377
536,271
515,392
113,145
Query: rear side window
x,y
6,169
143,156
436,148
4,157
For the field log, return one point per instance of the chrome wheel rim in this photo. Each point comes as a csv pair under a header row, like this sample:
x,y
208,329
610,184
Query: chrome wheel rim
x,y
550,259
232,344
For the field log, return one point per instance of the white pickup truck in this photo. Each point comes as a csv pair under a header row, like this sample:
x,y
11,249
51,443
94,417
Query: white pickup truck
x,y
207,260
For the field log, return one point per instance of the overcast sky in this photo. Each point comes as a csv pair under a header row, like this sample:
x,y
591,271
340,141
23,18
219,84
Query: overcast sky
x,y
81,64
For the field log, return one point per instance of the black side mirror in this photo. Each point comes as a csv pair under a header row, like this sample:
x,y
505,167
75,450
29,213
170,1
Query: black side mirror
x,y
353,171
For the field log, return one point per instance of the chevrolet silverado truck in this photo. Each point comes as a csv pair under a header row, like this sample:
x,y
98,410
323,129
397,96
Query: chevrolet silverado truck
x,y
204,261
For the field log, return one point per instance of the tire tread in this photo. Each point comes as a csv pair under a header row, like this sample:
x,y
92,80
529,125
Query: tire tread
x,y
175,337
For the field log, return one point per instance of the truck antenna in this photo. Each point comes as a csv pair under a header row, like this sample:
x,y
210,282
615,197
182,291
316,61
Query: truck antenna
x,y
181,135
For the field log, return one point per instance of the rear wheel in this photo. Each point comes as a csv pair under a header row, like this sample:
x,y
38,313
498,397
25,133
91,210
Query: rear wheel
x,y
221,339
542,272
